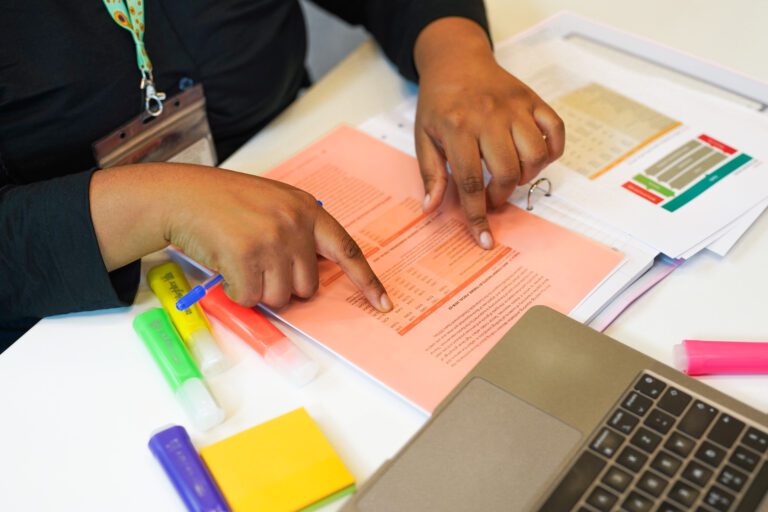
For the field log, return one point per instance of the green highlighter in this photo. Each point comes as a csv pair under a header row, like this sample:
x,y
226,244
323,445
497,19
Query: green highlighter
x,y
167,349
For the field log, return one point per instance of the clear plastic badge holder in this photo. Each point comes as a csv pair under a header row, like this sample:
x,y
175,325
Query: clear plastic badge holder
x,y
180,133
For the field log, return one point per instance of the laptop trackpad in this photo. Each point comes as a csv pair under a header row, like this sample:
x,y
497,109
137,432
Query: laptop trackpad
x,y
487,450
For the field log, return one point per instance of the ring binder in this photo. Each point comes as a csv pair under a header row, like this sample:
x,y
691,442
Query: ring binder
x,y
536,185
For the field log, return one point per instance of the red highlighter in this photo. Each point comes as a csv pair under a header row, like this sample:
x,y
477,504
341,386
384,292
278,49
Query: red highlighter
x,y
253,328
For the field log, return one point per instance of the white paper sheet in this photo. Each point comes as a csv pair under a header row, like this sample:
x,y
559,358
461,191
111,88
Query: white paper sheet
x,y
622,125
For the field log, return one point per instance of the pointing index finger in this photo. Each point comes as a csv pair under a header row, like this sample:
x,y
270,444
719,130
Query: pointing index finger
x,y
334,243
464,157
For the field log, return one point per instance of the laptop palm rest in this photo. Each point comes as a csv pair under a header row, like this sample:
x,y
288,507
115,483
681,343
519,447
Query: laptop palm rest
x,y
486,450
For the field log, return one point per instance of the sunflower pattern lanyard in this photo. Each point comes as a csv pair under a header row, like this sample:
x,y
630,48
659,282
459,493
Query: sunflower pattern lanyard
x,y
129,14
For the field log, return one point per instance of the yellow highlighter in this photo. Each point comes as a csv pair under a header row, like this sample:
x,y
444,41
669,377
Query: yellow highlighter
x,y
169,284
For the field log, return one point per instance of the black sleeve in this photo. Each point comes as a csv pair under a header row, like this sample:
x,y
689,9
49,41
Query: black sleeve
x,y
50,261
397,23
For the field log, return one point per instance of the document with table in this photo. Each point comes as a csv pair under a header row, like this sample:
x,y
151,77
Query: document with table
x,y
453,300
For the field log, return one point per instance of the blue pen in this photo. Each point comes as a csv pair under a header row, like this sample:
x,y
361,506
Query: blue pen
x,y
199,291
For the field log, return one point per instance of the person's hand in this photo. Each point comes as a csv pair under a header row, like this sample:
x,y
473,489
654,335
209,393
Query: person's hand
x,y
470,109
263,236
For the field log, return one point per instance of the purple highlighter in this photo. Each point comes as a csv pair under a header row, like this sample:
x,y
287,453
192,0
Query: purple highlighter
x,y
173,449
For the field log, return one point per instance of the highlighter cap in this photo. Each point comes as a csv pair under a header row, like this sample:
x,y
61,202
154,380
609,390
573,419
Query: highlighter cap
x,y
199,405
680,357
291,362
209,357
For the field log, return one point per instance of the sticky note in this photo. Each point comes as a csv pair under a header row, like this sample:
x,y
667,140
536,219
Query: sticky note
x,y
285,464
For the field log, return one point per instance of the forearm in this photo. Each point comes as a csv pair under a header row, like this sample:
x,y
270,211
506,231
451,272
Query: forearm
x,y
130,206
396,24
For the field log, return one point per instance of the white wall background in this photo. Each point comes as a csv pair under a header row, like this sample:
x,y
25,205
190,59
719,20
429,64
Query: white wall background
x,y
330,40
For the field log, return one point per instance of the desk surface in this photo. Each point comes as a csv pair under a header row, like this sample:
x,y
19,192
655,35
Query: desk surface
x,y
80,397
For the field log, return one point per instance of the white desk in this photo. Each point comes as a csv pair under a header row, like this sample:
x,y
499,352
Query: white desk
x,y
80,396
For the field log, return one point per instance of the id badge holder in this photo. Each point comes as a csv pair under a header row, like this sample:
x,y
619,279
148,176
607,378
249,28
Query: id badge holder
x,y
179,133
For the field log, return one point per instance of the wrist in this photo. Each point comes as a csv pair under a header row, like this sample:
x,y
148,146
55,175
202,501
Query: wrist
x,y
447,42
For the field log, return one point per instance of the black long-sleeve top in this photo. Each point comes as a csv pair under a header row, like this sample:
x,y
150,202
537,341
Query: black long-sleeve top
x,y
68,76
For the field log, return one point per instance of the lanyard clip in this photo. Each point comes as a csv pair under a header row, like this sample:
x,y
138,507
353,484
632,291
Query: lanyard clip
x,y
153,99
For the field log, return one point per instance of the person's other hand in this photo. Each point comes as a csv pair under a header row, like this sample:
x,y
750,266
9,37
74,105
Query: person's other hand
x,y
263,236
469,110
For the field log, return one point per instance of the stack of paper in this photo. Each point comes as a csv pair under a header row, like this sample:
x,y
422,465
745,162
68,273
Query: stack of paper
x,y
453,300
652,168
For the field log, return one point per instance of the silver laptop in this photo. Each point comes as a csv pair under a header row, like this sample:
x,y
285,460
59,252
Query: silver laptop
x,y
559,417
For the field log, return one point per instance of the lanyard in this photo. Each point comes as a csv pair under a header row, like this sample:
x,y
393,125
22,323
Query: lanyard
x,y
129,14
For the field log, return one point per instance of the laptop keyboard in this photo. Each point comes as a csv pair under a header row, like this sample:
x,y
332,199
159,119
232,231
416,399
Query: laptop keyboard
x,y
663,449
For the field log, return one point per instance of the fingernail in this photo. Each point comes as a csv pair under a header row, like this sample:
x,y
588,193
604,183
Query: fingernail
x,y
385,303
486,241
427,199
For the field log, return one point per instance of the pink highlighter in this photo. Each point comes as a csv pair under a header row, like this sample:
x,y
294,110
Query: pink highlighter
x,y
698,357
258,332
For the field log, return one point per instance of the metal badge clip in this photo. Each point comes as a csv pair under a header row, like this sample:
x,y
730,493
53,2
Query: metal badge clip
x,y
153,99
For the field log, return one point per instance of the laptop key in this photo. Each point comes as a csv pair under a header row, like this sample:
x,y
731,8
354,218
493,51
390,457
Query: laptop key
x,y
674,401
636,502
719,499
684,494
617,479
660,421
680,444
602,499
756,491
697,473
652,484
607,442
575,483
632,459
667,507
650,386
732,478
623,421
711,454
726,430
637,403
756,440
744,458
645,440
697,419
666,464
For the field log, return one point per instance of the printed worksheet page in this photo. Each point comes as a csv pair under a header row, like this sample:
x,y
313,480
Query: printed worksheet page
x,y
453,300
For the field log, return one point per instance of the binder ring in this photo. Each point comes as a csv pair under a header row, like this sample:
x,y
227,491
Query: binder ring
x,y
536,185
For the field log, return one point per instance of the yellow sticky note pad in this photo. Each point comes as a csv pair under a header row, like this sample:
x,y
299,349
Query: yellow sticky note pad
x,y
285,464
